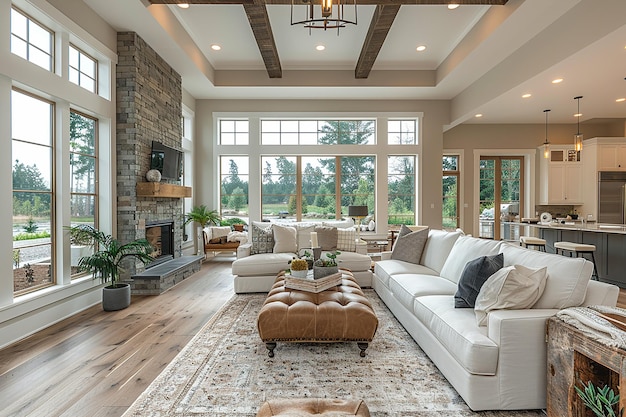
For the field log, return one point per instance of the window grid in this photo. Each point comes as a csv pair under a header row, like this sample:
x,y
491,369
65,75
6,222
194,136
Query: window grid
x,y
402,132
234,132
317,132
83,69
31,40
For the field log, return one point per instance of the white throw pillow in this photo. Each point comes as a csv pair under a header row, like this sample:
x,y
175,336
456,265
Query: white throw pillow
x,y
218,231
346,239
512,287
284,239
303,232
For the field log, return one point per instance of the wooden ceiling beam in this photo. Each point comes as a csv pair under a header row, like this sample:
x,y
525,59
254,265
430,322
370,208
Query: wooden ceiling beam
x,y
260,25
379,28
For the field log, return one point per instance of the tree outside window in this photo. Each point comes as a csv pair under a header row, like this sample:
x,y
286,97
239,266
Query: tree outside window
x,y
450,211
234,186
401,200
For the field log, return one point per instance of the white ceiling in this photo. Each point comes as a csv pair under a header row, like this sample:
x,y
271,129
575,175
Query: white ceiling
x,y
482,58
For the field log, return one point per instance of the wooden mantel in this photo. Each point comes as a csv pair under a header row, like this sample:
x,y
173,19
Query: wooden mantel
x,y
162,189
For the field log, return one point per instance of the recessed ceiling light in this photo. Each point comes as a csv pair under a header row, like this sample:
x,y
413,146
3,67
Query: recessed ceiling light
x,y
619,100
421,48
527,95
479,115
183,5
320,47
557,80
216,47
578,115
452,6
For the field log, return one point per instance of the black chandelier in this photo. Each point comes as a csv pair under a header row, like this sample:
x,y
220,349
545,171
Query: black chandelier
x,y
329,15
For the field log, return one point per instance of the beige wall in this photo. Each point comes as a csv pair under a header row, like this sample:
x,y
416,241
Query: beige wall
x,y
436,115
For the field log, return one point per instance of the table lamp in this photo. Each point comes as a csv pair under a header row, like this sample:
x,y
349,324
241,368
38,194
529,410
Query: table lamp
x,y
358,213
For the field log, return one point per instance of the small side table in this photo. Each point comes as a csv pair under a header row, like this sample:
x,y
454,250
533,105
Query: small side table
x,y
574,357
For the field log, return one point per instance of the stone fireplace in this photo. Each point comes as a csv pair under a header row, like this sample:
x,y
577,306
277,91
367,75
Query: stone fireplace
x,y
149,107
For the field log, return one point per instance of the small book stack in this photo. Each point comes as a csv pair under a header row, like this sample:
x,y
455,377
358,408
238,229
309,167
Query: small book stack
x,y
313,285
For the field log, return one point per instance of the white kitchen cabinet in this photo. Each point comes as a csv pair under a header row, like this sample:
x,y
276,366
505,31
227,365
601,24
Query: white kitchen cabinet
x,y
611,157
561,177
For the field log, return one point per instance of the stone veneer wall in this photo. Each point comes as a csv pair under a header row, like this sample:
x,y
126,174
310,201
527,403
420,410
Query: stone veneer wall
x,y
149,107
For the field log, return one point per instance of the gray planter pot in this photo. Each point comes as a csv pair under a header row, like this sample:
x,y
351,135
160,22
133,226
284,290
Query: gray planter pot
x,y
115,297
323,271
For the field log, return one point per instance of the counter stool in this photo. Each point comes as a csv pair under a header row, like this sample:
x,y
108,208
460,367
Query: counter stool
x,y
578,249
535,242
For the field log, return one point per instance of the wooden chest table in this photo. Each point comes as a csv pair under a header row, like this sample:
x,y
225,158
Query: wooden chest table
x,y
573,357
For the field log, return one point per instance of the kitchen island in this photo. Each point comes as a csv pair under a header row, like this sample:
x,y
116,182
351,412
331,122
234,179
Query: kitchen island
x,y
609,240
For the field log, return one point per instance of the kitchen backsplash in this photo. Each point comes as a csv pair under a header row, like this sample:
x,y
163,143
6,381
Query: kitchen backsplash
x,y
555,210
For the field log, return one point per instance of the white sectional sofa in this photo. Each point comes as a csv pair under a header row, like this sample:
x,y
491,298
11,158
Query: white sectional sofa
x,y
501,365
257,272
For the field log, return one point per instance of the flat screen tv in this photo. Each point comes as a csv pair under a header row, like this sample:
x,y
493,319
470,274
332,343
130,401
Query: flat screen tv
x,y
167,160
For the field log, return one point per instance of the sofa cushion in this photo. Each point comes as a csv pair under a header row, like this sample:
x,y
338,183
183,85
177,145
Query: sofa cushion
x,y
473,277
353,261
346,239
437,248
456,330
465,249
513,287
567,280
262,239
215,232
284,239
262,264
405,287
326,237
409,245
303,235
385,269
344,223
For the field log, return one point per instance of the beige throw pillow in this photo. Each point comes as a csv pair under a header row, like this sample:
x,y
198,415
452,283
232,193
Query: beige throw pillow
x,y
346,239
284,239
409,245
512,287
326,237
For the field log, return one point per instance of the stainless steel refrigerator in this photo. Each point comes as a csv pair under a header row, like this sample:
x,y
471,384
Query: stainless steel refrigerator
x,y
612,197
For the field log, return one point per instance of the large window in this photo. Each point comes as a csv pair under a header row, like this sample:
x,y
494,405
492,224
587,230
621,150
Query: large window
x,y
83,178
450,194
33,220
31,40
83,69
401,179
234,179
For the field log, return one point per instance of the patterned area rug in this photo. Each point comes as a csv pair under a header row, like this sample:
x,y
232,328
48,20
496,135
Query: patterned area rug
x,y
225,371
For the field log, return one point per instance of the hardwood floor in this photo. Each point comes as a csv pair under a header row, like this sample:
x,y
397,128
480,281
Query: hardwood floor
x,y
97,363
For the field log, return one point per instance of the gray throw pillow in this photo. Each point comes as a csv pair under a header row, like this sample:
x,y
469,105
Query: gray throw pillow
x,y
262,240
473,277
409,245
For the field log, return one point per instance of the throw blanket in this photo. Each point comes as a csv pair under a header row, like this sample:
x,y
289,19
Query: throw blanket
x,y
589,321
241,237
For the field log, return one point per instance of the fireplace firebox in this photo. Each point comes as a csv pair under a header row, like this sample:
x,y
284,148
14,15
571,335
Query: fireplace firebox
x,y
160,234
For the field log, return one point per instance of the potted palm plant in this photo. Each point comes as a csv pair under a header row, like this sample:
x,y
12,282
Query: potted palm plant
x,y
105,262
203,216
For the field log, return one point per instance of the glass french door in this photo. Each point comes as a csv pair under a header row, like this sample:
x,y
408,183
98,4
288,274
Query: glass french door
x,y
501,191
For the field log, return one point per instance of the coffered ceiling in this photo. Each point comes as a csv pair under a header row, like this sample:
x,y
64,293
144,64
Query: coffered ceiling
x,y
482,56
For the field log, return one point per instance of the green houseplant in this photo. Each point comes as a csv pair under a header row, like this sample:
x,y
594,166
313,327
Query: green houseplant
x,y
324,267
105,262
204,217
602,401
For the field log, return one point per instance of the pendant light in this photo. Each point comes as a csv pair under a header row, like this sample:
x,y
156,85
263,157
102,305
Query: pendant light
x,y
578,137
546,144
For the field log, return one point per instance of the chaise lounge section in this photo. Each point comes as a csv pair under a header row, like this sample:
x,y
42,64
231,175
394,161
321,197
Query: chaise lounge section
x,y
500,365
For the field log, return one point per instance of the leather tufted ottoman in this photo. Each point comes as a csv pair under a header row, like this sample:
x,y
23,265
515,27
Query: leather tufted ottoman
x,y
339,314
313,407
